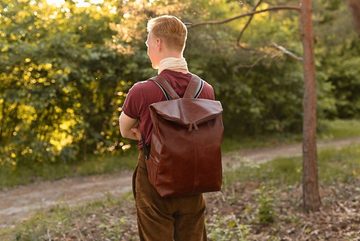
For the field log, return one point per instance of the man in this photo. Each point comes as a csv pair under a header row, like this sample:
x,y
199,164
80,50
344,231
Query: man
x,y
162,219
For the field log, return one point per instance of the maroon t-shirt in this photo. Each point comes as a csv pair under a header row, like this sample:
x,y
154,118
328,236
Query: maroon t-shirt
x,y
144,93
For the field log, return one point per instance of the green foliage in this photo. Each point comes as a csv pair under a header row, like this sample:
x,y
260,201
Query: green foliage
x,y
61,82
65,71
226,228
265,212
337,52
260,87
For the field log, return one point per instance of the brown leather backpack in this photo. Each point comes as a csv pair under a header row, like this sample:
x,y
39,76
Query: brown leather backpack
x,y
185,154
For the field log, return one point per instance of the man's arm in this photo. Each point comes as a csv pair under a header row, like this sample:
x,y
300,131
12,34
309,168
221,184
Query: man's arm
x,y
129,127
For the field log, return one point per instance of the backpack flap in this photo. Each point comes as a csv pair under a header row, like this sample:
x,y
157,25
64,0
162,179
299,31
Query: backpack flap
x,y
187,112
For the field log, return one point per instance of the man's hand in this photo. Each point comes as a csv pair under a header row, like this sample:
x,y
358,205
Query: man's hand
x,y
129,127
136,132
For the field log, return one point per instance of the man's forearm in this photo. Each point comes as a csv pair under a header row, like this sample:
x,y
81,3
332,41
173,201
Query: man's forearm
x,y
129,127
133,134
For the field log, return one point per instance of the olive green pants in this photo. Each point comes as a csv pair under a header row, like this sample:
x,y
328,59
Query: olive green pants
x,y
166,219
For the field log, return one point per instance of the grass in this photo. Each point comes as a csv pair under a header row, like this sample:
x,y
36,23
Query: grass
x,y
103,215
233,144
333,165
327,130
23,174
337,129
11,176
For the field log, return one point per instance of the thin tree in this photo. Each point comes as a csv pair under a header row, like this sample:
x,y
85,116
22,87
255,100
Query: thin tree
x,y
311,196
355,10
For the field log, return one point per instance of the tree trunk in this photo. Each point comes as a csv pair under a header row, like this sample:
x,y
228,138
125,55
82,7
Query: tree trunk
x,y
311,196
355,9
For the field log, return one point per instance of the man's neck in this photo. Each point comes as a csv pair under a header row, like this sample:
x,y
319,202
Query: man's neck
x,y
173,63
171,55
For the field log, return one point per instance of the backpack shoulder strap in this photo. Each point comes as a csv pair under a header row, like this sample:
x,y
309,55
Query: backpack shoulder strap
x,y
194,87
166,88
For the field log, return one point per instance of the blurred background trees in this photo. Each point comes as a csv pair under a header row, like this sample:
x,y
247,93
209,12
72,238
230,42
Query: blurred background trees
x,y
65,70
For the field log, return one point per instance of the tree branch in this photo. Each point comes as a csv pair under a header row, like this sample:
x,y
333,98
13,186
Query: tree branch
x,y
246,25
287,52
277,8
272,56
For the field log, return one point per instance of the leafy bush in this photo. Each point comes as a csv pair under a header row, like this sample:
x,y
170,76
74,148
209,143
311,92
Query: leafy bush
x,y
265,212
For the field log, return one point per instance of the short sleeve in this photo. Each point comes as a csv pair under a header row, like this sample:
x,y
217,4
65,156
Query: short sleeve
x,y
212,93
207,92
132,103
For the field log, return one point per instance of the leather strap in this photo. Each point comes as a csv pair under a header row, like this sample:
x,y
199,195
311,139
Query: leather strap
x,y
169,91
162,89
194,87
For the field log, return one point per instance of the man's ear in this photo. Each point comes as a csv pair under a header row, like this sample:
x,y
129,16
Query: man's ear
x,y
159,44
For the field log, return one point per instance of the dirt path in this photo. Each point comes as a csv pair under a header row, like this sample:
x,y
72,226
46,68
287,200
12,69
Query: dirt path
x,y
19,203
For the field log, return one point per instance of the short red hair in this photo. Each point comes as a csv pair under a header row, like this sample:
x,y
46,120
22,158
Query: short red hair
x,y
169,28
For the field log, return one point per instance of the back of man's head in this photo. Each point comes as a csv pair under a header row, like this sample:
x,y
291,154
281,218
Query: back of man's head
x,y
171,29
